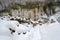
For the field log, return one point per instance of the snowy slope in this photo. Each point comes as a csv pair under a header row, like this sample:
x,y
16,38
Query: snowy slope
x,y
50,32
47,31
21,33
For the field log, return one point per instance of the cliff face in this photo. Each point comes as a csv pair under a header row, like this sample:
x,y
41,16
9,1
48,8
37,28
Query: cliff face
x,y
6,3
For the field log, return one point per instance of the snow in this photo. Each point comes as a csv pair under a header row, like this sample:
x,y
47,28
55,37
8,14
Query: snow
x,y
31,33
50,32
25,31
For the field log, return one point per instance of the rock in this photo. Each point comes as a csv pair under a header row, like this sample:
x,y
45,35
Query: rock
x,y
12,19
19,33
12,31
52,21
1,18
24,32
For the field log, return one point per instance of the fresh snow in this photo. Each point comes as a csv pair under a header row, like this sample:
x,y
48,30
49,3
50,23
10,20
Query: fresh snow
x,y
47,31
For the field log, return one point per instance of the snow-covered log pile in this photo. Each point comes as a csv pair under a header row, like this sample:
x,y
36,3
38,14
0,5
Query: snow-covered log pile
x,y
24,20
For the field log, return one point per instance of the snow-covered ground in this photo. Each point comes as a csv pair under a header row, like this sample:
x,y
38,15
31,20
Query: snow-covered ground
x,y
12,30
